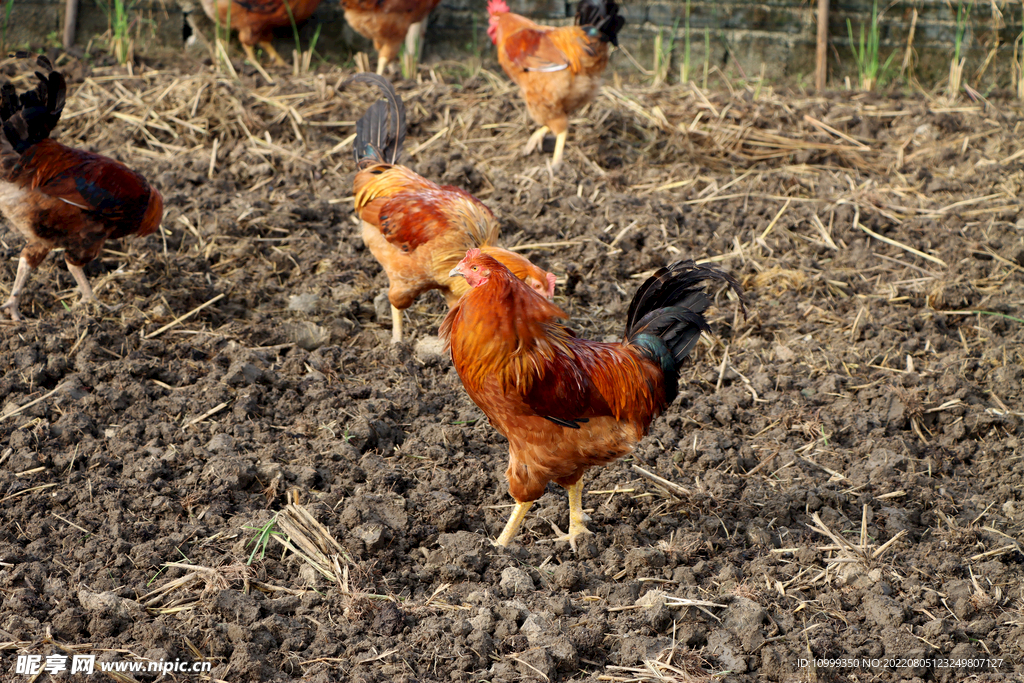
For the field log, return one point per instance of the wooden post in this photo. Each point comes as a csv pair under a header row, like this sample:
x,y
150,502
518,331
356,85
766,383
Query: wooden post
x,y
821,72
70,19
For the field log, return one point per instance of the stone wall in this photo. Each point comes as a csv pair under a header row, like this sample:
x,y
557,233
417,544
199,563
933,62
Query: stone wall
x,y
738,36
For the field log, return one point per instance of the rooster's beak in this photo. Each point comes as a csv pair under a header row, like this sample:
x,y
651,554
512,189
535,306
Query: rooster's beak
x,y
455,272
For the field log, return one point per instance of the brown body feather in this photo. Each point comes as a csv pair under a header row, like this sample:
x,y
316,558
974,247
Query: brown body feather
x,y
104,190
386,22
255,20
57,196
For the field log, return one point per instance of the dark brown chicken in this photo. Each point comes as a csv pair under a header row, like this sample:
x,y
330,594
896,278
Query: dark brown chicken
x,y
59,197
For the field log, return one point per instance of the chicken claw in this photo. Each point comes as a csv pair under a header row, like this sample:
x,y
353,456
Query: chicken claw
x,y
572,537
12,308
250,53
95,307
268,47
83,282
577,518
535,140
89,300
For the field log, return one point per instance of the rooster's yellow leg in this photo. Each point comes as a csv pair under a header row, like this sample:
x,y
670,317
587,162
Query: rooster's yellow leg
x,y
536,139
577,519
250,53
274,54
556,160
396,325
382,63
514,522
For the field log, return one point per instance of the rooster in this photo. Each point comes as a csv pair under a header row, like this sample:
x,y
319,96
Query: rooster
x,y
418,230
567,404
59,197
255,20
558,70
387,23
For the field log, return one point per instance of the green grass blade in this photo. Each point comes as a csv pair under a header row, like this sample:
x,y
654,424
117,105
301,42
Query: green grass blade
x,y
295,28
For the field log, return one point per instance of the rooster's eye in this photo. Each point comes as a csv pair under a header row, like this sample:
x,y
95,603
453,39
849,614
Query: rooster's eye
x,y
475,268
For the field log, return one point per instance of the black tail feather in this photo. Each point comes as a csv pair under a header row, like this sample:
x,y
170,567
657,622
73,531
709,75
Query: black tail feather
x,y
603,15
32,116
666,316
380,132
9,102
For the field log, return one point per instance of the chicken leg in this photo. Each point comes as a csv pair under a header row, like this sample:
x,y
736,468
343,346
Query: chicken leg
x,y
513,524
577,518
535,140
88,298
268,47
556,160
250,53
396,325
11,306
382,64
83,282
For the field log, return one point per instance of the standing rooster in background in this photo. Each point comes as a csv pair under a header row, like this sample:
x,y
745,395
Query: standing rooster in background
x,y
418,230
255,20
558,70
567,404
386,23
58,197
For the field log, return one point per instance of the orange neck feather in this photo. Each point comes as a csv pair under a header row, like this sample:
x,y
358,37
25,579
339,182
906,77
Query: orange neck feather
x,y
498,329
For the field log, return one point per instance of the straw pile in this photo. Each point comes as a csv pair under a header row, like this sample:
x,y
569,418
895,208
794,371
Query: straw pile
x,y
305,124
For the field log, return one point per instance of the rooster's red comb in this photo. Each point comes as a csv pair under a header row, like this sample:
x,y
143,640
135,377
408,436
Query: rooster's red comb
x,y
497,7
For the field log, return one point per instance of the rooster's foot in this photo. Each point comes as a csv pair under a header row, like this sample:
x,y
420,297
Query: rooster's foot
x,y
576,533
12,309
535,140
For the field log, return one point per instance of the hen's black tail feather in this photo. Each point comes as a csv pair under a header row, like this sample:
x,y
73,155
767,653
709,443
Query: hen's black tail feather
x,y
30,118
381,131
666,316
602,15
